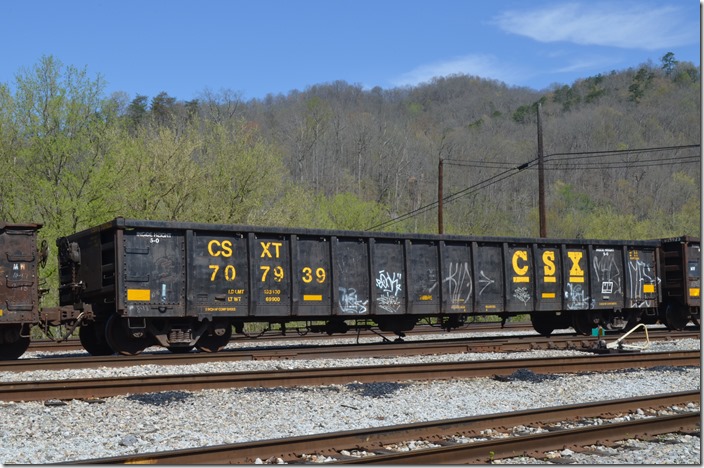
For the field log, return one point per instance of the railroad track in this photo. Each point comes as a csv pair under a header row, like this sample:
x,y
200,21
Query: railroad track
x,y
406,348
444,436
107,387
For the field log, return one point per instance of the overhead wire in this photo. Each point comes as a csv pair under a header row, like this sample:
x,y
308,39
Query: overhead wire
x,y
453,196
512,169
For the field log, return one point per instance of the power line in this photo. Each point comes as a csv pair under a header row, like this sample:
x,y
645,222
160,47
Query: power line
x,y
482,164
626,164
689,160
512,169
605,154
454,196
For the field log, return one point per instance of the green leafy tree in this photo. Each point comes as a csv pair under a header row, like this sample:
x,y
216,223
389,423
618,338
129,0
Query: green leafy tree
x,y
64,141
641,81
137,112
349,212
242,175
57,160
160,179
669,63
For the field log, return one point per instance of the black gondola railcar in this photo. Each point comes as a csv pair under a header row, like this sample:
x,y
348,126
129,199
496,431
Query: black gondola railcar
x,y
185,285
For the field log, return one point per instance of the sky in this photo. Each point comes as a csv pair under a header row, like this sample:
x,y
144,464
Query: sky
x,y
261,47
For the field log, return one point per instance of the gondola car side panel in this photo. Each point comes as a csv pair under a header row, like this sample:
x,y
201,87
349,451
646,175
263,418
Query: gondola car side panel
x,y
351,286
488,277
388,272
576,277
607,276
642,279
270,274
520,285
423,280
218,274
153,280
311,276
458,289
548,277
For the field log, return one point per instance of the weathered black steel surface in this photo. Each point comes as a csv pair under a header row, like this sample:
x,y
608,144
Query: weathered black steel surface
x,y
173,269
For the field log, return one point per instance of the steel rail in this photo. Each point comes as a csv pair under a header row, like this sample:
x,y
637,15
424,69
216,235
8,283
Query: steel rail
x,y
536,444
407,348
373,439
106,387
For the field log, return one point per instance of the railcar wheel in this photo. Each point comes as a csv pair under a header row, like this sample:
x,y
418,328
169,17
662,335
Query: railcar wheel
x,y
212,342
544,323
122,339
14,350
676,317
12,343
583,321
92,336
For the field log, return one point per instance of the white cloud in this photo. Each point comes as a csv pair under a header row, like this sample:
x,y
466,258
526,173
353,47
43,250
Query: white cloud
x,y
606,24
484,66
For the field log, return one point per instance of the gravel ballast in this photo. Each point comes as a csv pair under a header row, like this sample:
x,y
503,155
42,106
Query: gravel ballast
x,y
40,432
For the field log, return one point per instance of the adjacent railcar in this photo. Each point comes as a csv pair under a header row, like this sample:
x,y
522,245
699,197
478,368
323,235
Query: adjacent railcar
x,y
19,287
681,281
21,292
185,285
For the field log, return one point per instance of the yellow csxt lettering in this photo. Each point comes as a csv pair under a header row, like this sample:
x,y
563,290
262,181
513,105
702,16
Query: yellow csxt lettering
x,y
308,275
267,245
217,248
520,255
549,268
576,272
520,269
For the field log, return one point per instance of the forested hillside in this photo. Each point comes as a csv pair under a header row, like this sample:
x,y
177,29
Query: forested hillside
x,y
621,155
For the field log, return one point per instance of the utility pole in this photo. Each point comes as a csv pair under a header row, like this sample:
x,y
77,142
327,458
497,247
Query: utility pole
x,y
440,223
541,180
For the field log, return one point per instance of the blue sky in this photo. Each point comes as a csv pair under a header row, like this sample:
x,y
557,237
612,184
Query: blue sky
x,y
275,46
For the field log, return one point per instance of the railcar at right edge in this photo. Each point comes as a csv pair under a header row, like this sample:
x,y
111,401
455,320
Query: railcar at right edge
x,y
680,298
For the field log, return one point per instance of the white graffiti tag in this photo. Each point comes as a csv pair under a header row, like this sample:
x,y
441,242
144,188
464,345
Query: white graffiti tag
x,y
459,282
485,280
606,271
350,303
522,295
576,296
390,286
641,274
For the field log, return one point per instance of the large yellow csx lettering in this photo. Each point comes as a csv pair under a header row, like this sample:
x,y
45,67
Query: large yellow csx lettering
x,y
521,266
267,245
520,270
576,272
217,248
549,268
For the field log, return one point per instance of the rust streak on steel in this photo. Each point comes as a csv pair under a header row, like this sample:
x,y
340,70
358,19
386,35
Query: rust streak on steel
x,y
373,439
92,388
